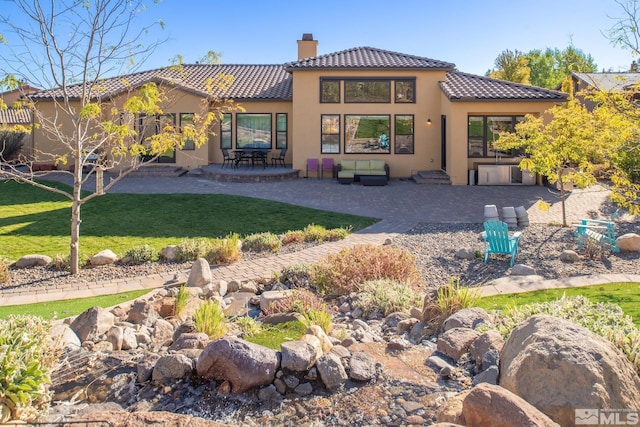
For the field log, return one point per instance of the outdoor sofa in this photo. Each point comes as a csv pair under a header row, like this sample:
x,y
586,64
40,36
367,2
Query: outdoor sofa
x,y
367,172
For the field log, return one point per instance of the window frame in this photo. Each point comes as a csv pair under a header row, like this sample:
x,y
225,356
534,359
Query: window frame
x,y
324,80
413,91
189,145
515,118
224,132
269,134
323,134
348,149
396,134
356,80
280,133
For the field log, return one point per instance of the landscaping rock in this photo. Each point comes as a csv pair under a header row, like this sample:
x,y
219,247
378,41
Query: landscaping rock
x,y
33,260
456,342
169,253
64,336
489,376
276,318
406,325
146,419
144,368
184,328
248,286
522,270
298,356
269,393
143,313
331,371
325,341
558,366
162,331
197,340
269,297
362,366
243,364
200,274
466,318
569,256
304,389
451,412
171,367
468,254
104,257
629,242
490,340
221,287
129,340
92,323
115,336
488,405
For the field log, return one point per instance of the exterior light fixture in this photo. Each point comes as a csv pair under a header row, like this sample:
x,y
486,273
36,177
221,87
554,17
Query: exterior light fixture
x,y
429,122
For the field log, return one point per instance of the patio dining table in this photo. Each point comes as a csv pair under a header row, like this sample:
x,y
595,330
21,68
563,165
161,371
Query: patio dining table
x,y
253,155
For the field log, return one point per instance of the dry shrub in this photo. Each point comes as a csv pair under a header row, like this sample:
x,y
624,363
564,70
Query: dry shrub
x,y
299,301
5,275
292,237
262,242
224,251
346,271
61,262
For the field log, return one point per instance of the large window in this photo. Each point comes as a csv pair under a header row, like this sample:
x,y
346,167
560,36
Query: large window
x,y
403,141
405,90
330,140
329,91
148,126
367,134
225,131
484,131
253,130
281,130
367,91
186,120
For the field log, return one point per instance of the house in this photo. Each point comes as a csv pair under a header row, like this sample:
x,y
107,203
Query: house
x,y
15,116
583,83
415,113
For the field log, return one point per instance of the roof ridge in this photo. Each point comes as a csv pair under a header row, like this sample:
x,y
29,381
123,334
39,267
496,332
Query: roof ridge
x,y
521,85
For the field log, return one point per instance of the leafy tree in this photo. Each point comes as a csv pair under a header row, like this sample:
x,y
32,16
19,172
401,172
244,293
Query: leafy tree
x,y
551,66
71,46
564,148
511,66
624,33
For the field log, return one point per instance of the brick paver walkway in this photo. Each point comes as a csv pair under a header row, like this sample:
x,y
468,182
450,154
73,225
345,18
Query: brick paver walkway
x,y
400,205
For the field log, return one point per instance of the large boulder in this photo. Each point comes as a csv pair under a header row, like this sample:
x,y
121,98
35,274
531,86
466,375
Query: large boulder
x,y
200,274
61,334
466,318
93,323
629,242
489,405
243,364
455,342
143,313
104,257
558,366
33,260
190,340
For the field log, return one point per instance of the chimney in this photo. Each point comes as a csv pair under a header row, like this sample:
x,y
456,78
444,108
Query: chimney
x,y
307,47
634,67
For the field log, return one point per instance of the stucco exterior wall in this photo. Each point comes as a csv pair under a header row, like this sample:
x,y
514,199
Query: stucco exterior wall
x,y
307,111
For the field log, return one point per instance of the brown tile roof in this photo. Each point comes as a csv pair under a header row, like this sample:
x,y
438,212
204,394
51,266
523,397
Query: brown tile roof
x,y
369,58
15,116
251,82
468,87
609,81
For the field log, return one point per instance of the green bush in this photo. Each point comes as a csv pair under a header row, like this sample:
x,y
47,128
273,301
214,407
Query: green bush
x,y
318,233
26,360
272,336
141,254
386,296
248,326
181,301
192,249
5,274
452,297
296,275
223,251
262,242
210,319
604,319
61,262
305,303
346,271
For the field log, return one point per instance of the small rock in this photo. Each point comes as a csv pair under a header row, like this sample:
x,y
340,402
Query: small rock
x,y
455,342
406,325
200,274
360,324
331,371
114,336
398,344
291,381
629,242
169,253
269,297
357,313
104,257
569,256
249,287
522,270
269,393
129,340
362,366
489,375
304,389
466,318
414,419
233,286
468,254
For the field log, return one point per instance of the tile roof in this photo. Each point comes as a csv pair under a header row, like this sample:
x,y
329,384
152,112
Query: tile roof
x,y
15,116
609,81
369,58
254,82
468,87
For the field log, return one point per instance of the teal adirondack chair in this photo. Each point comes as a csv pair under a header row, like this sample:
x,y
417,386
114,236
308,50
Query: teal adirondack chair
x,y
497,240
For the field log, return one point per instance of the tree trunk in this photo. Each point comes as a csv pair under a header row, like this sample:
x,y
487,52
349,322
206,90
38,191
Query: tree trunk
x,y
75,219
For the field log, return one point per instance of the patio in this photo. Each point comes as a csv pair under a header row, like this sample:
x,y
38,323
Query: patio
x,y
247,173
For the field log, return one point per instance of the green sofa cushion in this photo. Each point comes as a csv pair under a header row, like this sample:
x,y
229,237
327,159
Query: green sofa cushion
x,y
346,174
348,165
376,165
363,165
374,172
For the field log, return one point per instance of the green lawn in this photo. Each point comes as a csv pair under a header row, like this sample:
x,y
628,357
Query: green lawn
x,y
37,221
626,295
67,308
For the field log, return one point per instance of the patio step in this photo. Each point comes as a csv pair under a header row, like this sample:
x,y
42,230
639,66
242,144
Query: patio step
x,y
431,178
159,171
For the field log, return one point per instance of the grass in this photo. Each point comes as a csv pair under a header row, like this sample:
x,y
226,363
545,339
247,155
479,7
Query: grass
x,y
625,295
272,336
37,221
67,308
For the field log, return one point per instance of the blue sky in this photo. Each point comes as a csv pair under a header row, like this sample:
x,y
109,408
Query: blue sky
x,y
469,33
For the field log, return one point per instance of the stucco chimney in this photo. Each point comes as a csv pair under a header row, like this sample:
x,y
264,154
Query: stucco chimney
x,y
307,47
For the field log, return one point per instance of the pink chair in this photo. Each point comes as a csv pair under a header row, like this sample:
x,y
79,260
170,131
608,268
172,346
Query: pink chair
x,y
313,166
327,166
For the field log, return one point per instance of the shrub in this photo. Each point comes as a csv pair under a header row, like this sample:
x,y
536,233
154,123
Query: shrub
x,y
297,275
192,249
11,144
453,297
346,271
320,318
248,326
5,274
26,361
262,242
181,301
291,237
61,262
210,319
272,336
141,254
306,303
602,318
318,233
223,251
386,296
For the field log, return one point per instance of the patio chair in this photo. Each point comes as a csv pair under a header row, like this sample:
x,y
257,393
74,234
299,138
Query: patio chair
x,y
280,159
227,159
601,232
497,240
327,166
313,166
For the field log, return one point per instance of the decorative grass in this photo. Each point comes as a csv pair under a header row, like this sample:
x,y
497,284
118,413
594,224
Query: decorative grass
x,y
272,336
68,308
37,221
625,295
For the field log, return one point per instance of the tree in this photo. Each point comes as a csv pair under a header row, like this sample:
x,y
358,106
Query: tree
x,y
564,149
72,47
511,66
624,33
551,66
